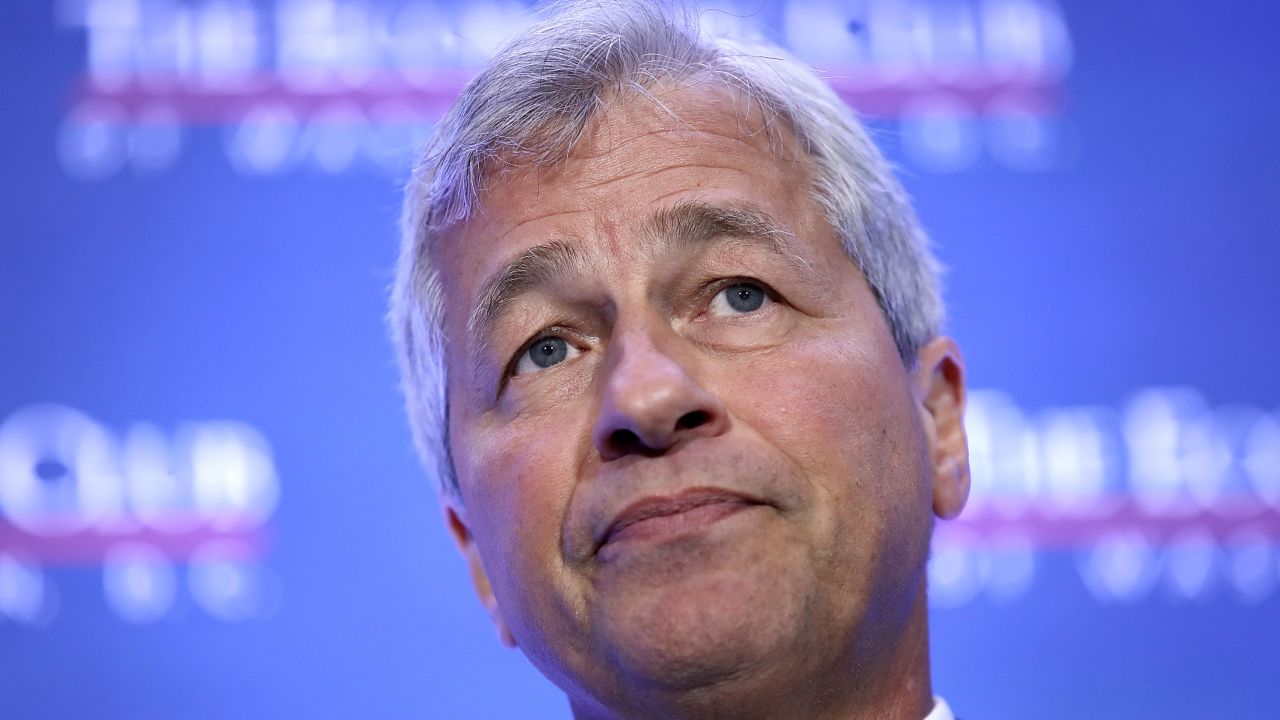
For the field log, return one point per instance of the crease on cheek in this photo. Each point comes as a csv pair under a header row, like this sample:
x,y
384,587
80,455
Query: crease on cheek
x,y
522,482
532,487
494,500
827,405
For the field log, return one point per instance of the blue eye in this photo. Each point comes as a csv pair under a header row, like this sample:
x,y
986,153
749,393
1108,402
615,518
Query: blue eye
x,y
738,299
545,352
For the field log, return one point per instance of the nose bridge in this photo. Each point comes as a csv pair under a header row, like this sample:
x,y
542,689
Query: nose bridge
x,y
643,355
652,397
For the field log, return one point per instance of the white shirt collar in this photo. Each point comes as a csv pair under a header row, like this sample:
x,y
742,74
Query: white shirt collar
x,y
940,711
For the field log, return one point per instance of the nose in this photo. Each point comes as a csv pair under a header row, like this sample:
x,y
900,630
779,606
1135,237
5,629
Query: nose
x,y
652,403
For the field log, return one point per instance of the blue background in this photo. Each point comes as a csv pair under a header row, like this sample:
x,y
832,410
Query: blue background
x,y
1143,254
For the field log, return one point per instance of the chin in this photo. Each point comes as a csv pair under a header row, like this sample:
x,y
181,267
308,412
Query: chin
x,y
693,637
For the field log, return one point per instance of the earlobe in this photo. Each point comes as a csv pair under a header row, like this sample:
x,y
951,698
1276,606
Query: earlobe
x,y
456,522
941,393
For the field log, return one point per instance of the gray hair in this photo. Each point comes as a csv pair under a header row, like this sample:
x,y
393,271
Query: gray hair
x,y
536,100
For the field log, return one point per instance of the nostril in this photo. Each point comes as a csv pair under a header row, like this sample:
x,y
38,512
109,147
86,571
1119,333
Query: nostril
x,y
691,420
623,441
626,441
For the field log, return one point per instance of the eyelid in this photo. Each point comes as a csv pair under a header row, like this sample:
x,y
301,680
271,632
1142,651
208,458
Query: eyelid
x,y
715,286
713,289
574,340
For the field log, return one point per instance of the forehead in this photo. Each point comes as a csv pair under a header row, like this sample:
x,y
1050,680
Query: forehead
x,y
642,152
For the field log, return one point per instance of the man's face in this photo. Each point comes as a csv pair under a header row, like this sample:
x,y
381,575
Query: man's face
x,y
687,448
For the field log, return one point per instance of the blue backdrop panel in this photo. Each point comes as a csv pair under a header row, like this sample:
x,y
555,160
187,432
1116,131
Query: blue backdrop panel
x,y
209,503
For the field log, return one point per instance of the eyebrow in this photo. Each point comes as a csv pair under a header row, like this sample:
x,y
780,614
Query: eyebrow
x,y
700,223
688,224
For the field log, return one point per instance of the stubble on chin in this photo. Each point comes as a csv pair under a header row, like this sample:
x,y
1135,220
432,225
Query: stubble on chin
x,y
697,633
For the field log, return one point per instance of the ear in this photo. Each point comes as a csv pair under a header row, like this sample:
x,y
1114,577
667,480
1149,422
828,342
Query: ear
x,y
455,519
940,393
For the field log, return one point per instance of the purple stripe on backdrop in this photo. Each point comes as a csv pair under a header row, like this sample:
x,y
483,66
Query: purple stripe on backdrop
x,y
232,541
1229,520
391,98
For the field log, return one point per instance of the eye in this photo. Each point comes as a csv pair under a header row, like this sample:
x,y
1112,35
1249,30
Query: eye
x,y
739,298
543,353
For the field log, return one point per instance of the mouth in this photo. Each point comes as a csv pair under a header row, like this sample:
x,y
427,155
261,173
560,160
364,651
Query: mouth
x,y
660,517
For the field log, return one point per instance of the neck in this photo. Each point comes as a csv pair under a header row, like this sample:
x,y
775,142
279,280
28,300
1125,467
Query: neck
x,y
878,678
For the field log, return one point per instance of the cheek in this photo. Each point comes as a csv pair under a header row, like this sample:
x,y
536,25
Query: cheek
x,y
828,402
517,485
842,413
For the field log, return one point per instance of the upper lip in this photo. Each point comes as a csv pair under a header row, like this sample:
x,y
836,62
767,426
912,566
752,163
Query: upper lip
x,y
663,505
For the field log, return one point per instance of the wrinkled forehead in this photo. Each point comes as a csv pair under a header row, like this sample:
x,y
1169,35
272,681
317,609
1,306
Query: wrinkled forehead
x,y
636,133
691,114
690,110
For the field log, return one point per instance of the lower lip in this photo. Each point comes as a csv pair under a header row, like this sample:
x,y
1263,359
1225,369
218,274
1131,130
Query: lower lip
x,y
682,523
